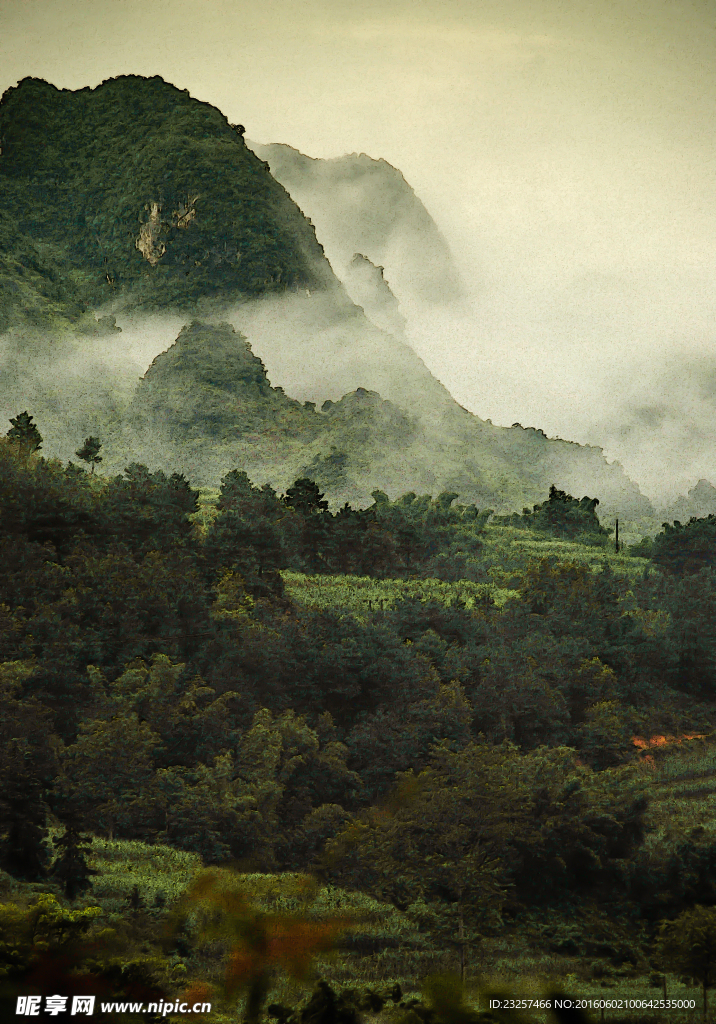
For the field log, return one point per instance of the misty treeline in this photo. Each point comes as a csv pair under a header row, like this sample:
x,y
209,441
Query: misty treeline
x,y
470,764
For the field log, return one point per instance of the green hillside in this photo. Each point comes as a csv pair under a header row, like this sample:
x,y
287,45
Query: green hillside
x,y
134,190
206,404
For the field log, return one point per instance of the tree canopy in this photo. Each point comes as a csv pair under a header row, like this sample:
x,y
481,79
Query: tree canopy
x,y
562,516
89,452
685,548
24,433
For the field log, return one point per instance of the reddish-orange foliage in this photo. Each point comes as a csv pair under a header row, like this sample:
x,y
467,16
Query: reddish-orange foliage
x,y
661,741
260,941
199,992
287,943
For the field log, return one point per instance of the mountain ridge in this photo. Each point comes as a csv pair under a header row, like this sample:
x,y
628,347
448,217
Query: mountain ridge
x,y
362,204
206,405
133,198
151,197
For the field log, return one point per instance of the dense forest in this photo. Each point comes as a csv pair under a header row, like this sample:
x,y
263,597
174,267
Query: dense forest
x,y
501,753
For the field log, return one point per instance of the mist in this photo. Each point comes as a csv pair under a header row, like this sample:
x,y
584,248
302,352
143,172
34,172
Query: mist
x,y
536,329
565,153
606,359
77,386
525,321
621,361
316,346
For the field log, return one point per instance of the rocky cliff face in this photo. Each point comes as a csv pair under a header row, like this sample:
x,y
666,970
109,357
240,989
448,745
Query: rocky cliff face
x,y
367,286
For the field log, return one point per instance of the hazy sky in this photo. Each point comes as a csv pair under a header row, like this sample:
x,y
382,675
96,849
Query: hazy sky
x,y
566,149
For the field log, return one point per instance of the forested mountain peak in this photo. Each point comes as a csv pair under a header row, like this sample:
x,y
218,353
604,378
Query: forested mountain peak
x,y
213,354
147,196
207,404
209,382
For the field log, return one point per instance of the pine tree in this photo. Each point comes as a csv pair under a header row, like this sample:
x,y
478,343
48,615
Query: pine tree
x,y
314,519
305,496
22,818
71,866
89,452
24,433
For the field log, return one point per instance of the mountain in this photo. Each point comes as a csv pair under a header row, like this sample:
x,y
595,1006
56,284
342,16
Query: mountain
x,y
130,209
134,191
206,405
366,285
362,205
698,503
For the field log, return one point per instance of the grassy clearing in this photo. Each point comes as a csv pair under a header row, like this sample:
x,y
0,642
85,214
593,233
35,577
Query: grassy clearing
x,y
361,595
507,552
160,872
506,555
682,790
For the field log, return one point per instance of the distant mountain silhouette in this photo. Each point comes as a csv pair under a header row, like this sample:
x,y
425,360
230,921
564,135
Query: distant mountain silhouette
x,y
362,205
698,503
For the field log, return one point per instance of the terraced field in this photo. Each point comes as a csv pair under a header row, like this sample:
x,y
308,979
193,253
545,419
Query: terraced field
x,y
507,551
361,595
683,786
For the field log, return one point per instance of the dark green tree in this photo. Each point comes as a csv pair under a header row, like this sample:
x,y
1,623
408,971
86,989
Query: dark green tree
x,y
688,946
377,549
150,510
23,853
438,843
311,532
305,497
562,516
685,549
245,536
690,602
348,529
24,433
89,452
71,866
